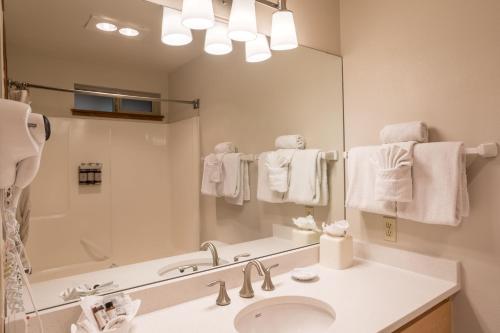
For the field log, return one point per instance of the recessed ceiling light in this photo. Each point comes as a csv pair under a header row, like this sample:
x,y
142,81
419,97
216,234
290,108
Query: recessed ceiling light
x,y
105,26
129,32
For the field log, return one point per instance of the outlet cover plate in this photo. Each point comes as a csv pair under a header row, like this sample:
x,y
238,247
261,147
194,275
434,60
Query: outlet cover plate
x,y
390,229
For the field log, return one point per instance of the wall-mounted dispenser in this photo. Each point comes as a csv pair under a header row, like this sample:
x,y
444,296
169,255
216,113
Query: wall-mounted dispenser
x,y
90,174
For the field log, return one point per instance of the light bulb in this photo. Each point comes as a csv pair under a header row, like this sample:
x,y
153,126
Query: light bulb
x,y
105,26
216,40
283,33
242,21
172,31
198,14
129,32
257,50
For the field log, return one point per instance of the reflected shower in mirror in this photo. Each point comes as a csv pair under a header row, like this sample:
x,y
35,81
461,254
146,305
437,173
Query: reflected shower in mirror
x,y
138,184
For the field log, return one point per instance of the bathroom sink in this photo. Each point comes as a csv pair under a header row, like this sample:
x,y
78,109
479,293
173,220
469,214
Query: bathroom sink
x,y
287,314
176,268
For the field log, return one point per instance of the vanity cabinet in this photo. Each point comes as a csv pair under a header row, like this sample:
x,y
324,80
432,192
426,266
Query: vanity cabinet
x,y
436,320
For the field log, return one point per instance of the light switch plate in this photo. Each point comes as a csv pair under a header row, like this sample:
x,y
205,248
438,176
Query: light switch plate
x,y
390,229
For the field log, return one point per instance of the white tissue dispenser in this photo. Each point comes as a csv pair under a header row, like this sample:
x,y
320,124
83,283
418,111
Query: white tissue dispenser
x,y
336,252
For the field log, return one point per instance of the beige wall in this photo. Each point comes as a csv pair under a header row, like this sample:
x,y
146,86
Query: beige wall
x,y
297,91
1,231
436,61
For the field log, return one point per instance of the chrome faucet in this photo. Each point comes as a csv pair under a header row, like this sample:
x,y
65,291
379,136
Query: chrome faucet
x,y
182,269
223,298
213,250
239,256
247,290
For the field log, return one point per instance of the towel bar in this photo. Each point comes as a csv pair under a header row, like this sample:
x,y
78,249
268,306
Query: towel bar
x,y
331,155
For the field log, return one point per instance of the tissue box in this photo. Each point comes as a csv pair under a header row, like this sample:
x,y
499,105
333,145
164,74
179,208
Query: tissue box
x,y
336,252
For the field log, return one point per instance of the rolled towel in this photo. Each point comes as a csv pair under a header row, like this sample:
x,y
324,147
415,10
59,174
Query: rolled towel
x,y
290,142
225,148
403,132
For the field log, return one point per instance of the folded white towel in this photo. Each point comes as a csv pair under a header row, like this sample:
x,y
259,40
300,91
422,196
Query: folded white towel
x,y
211,167
393,181
308,178
264,193
290,142
278,164
402,132
244,186
225,148
439,185
361,176
231,175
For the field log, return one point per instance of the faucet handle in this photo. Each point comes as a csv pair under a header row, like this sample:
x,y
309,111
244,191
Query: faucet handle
x,y
223,298
242,255
268,285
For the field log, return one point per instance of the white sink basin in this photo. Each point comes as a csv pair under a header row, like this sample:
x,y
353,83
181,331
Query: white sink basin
x,y
287,314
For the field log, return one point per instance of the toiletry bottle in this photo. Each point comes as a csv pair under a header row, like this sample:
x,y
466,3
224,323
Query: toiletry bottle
x,y
82,174
110,310
98,174
90,174
100,316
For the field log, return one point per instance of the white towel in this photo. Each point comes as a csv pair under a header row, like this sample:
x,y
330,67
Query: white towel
x,y
361,175
290,142
231,181
393,180
402,132
264,193
225,148
278,165
211,165
439,185
308,178
244,186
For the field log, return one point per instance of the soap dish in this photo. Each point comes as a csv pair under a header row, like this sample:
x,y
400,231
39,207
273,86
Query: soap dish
x,y
304,274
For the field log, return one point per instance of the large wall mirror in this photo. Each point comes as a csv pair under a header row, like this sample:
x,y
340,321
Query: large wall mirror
x,y
117,202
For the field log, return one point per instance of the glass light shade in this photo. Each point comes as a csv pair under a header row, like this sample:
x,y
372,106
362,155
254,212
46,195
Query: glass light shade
x,y
198,14
172,31
257,50
105,26
283,33
216,40
242,21
129,32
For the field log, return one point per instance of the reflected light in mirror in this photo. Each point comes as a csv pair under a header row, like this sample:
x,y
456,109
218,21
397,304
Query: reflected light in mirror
x,y
198,14
105,26
129,32
242,21
257,50
172,31
216,40
283,33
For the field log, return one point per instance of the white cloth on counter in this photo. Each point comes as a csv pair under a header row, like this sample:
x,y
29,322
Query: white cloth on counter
x,y
402,132
264,193
308,178
290,142
225,148
278,166
212,170
393,180
440,193
361,174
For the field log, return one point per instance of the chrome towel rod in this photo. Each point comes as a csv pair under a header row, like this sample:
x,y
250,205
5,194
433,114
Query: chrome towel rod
x,y
24,85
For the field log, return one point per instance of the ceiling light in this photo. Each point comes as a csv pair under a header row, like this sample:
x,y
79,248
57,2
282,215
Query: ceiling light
x,y
172,30
198,14
257,50
129,32
216,40
105,26
242,21
283,33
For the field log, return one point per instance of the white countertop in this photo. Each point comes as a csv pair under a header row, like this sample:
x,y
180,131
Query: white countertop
x,y
368,297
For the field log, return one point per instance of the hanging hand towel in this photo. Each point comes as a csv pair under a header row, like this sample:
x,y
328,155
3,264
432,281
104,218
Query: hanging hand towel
x,y
402,132
211,166
278,165
290,142
231,182
393,180
361,176
439,185
244,186
308,178
264,193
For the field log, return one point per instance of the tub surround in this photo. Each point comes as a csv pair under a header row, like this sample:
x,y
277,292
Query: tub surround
x,y
386,288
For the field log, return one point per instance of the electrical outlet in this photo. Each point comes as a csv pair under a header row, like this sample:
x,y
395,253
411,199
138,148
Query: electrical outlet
x,y
390,229
309,210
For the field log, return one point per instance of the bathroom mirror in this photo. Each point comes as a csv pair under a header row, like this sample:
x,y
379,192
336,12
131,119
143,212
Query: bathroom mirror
x,y
141,218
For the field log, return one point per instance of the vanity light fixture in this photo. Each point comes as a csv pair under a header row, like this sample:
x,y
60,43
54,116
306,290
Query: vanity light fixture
x,y
129,32
198,14
216,40
173,32
243,21
106,26
257,50
283,33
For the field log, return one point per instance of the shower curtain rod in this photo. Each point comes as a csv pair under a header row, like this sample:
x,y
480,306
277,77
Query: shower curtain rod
x,y
24,85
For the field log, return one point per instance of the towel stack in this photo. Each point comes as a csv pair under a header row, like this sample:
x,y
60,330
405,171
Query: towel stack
x,y
409,178
292,173
225,174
